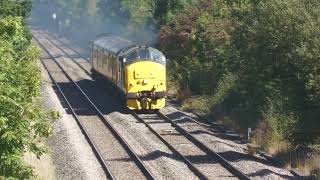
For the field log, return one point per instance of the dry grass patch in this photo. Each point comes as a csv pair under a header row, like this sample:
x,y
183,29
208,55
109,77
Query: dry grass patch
x,y
172,90
198,104
305,159
252,149
43,167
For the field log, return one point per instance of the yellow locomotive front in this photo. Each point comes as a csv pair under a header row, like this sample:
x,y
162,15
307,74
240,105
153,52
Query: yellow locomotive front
x,y
145,78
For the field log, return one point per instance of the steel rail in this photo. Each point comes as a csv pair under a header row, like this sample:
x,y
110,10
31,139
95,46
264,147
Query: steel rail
x,y
275,161
193,168
68,46
208,125
46,36
96,151
236,172
106,122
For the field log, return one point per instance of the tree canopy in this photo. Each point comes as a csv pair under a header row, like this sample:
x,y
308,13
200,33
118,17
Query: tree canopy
x,y
22,122
256,59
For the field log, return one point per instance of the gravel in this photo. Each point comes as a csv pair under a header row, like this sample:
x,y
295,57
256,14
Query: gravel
x,y
162,162
235,152
72,156
197,157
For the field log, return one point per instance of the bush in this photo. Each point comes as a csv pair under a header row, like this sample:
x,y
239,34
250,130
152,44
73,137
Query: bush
x,y
271,47
279,57
15,8
22,123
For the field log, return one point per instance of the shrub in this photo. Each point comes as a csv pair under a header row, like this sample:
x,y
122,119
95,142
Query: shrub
x,y
22,123
15,8
279,57
273,49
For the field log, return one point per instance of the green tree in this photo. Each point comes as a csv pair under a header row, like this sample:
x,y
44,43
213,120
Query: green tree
x,y
272,49
165,9
15,8
280,57
22,122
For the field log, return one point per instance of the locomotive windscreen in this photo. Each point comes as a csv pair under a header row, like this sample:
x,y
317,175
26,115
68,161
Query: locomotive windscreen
x,y
145,53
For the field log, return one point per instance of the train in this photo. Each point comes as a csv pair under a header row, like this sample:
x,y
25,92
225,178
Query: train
x,y
137,71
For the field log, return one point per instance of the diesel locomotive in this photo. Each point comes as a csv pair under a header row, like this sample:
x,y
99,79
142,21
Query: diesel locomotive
x,y
137,71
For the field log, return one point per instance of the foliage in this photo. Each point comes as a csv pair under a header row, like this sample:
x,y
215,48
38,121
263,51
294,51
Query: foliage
x,y
138,20
22,123
77,9
15,8
164,10
271,47
280,58
139,11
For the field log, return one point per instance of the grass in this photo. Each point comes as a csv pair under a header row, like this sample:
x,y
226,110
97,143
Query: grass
x,y
305,159
201,105
196,103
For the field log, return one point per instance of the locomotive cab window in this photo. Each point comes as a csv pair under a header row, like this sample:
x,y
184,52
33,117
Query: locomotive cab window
x,y
156,55
145,54
133,55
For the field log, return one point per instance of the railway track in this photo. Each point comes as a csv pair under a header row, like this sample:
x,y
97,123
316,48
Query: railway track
x,y
236,172
210,153
76,111
161,118
96,151
65,45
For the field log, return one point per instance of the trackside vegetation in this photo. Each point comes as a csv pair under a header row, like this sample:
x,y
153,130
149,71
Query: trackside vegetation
x,y
22,122
253,63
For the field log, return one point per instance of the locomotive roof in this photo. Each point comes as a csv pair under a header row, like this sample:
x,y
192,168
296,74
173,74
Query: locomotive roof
x,y
112,43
